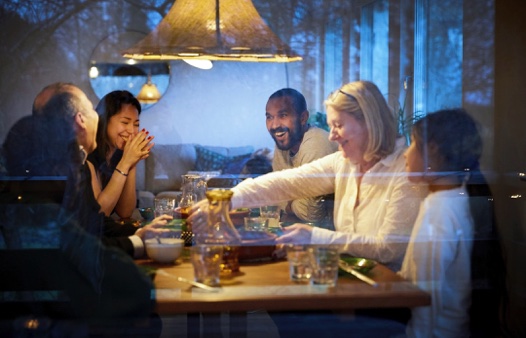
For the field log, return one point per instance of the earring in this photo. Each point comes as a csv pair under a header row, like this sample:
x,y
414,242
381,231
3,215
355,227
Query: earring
x,y
83,153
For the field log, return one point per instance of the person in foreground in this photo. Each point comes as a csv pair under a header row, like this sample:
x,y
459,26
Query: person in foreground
x,y
298,143
106,291
375,204
444,154
120,146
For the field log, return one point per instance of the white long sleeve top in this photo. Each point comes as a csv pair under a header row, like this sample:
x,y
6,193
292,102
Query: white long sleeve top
x,y
438,260
377,228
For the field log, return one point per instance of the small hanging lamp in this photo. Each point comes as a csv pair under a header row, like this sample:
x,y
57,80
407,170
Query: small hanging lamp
x,y
216,30
149,93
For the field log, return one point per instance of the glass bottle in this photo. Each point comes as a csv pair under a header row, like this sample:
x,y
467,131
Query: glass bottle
x,y
220,229
193,190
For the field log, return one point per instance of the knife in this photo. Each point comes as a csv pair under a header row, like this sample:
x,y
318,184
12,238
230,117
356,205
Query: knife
x,y
345,267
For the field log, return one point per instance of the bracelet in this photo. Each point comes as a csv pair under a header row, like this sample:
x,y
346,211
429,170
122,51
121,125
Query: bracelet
x,y
121,172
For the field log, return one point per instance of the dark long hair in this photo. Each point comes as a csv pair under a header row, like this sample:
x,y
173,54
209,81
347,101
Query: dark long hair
x,y
108,106
456,135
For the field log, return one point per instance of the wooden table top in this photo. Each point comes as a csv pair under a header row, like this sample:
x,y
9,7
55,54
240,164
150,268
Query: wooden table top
x,y
267,286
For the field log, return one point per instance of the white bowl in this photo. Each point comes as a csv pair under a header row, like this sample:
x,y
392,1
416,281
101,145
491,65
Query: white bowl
x,y
165,252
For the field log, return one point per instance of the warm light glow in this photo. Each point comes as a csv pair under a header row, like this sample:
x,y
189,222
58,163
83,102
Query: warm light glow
x,y
149,93
201,64
188,54
189,31
211,25
131,61
93,72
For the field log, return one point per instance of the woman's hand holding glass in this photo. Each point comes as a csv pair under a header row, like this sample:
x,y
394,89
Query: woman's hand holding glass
x,y
156,228
198,217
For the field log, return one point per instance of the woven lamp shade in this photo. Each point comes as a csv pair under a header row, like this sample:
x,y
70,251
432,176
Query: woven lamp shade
x,y
189,32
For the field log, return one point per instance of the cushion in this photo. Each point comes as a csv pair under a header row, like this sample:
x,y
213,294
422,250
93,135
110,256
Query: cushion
x,y
236,151
209,160
234,165
162,170
166,164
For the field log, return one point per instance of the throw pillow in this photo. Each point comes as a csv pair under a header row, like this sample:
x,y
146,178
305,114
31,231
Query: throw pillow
x,y
234,165
208,160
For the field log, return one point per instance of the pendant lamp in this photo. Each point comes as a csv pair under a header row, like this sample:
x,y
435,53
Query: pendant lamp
x,y
216,30
149,93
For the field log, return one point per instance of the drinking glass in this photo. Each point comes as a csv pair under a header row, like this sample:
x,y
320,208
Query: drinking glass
x,y
299,263
164,206
256,223
206,260
272,213
324,263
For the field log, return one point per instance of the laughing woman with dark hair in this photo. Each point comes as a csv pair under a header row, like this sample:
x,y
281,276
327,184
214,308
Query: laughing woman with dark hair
x,y
120,146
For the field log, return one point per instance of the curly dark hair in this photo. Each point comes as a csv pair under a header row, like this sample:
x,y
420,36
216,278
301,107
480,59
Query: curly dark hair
x,y
455,134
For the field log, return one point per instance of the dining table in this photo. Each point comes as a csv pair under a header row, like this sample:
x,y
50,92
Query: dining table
x,y
266,285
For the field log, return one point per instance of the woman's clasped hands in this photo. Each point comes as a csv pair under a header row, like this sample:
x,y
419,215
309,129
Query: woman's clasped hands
x,y
137,147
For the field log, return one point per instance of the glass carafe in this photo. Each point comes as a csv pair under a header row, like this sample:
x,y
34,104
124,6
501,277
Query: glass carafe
x,y
221,231
193,190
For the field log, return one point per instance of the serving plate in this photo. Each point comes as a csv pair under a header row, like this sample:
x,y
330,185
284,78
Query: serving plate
x,y
362,265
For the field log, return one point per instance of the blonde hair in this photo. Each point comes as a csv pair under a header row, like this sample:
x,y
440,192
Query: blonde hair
x,y
364,101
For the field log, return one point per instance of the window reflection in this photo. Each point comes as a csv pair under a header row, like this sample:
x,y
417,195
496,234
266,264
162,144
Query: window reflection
x,y
109,71
119,76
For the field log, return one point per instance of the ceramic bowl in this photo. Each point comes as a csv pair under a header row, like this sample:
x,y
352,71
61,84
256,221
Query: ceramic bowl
x,y
167,251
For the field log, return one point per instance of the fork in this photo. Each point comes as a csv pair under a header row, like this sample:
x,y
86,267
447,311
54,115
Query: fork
x,y
187,281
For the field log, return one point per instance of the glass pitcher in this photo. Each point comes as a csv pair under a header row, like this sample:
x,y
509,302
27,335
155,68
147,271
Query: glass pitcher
x,y
220,229
193,190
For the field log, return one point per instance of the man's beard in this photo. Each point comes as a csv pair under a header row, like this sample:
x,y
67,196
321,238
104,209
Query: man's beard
x,y
294,137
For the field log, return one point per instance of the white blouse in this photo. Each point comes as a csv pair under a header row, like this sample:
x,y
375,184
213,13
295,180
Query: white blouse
x,y
438,260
